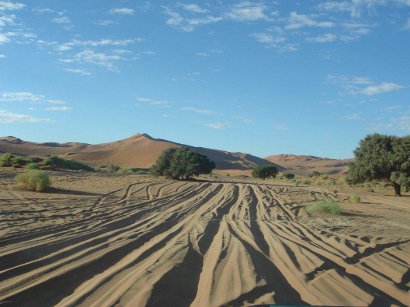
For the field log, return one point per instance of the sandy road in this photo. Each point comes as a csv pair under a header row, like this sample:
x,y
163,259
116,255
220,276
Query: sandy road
x,y
192,243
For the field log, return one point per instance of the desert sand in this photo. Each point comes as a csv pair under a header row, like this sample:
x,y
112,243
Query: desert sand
x,y
129,240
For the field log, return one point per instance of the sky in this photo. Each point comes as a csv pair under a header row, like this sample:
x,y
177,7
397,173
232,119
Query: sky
x,y
262,77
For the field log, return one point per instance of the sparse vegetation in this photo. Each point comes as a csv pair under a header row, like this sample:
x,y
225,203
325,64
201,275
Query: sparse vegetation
x,y
324,206
7,160
288,176
32,165
56,162
265,171
315,174
181,163
354,198
33,180
382,157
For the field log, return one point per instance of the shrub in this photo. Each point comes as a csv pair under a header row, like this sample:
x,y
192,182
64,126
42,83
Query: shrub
x,y
315,174
288,176
354,198
56,162
324,206
34,180
264,171
382,157
32,165
181,163
7,159
308,182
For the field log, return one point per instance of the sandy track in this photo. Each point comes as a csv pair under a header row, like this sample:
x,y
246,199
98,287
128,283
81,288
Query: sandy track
x,y
198,244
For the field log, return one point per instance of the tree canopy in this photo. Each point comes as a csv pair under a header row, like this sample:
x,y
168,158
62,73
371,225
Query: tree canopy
x,y
264,171
382,157
181,163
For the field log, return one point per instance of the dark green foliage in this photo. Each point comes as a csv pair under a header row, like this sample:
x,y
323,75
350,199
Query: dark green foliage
x,y
382,157
33,180
181,163
7,160
288,176
264,171
56,162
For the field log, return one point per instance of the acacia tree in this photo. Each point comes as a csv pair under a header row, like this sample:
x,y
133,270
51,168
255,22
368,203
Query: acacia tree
x,y
264,171
382,157
181,163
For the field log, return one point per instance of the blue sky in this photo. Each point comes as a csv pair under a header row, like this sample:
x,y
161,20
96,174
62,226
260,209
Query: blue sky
x,y
263,77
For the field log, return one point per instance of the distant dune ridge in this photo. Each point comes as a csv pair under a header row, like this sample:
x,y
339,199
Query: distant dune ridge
x,y
141,150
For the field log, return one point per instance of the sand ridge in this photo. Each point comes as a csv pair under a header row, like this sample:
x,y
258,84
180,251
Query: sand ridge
x,y
154,242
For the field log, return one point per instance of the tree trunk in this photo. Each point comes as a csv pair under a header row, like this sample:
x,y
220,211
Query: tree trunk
x,y
397,188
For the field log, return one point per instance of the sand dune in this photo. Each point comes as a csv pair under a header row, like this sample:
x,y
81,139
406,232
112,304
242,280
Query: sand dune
x,y
168,243
140,150
305,165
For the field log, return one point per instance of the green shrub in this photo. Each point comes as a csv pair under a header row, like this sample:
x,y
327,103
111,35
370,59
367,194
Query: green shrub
x,y
7,160
308,182
315,174
354,198
181,163
324,206
33,180
288,176
264,171
56,162
32,165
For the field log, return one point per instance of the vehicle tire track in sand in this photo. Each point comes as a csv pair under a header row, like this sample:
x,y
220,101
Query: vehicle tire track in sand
x,y
198,244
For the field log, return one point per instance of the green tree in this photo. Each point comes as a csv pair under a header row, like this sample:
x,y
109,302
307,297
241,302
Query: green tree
x,y
382,157
264,171
181,163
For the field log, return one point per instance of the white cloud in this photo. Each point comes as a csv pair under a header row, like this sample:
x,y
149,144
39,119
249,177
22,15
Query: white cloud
x,y
96,58
2,56
56,101
122,11
218,125
62,20
323,38
407,25
204,54
362,85
200,111
278,42
10,118
281,127
3,38
297,21
20,96
78,71
243,119
104,22
7,20
176,20
59,108
353,116
153,102
194,8
10,6
380,88
247,11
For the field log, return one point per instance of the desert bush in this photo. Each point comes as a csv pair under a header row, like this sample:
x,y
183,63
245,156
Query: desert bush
x,y
315,174
382,157
7,160
331,181
56,162
264,171
308,182
32,165
324,206
181,163
34,180
288,176
354,198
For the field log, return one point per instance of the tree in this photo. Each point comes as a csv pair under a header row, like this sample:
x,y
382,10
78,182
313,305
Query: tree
x,y
382,157
264,171
181,163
